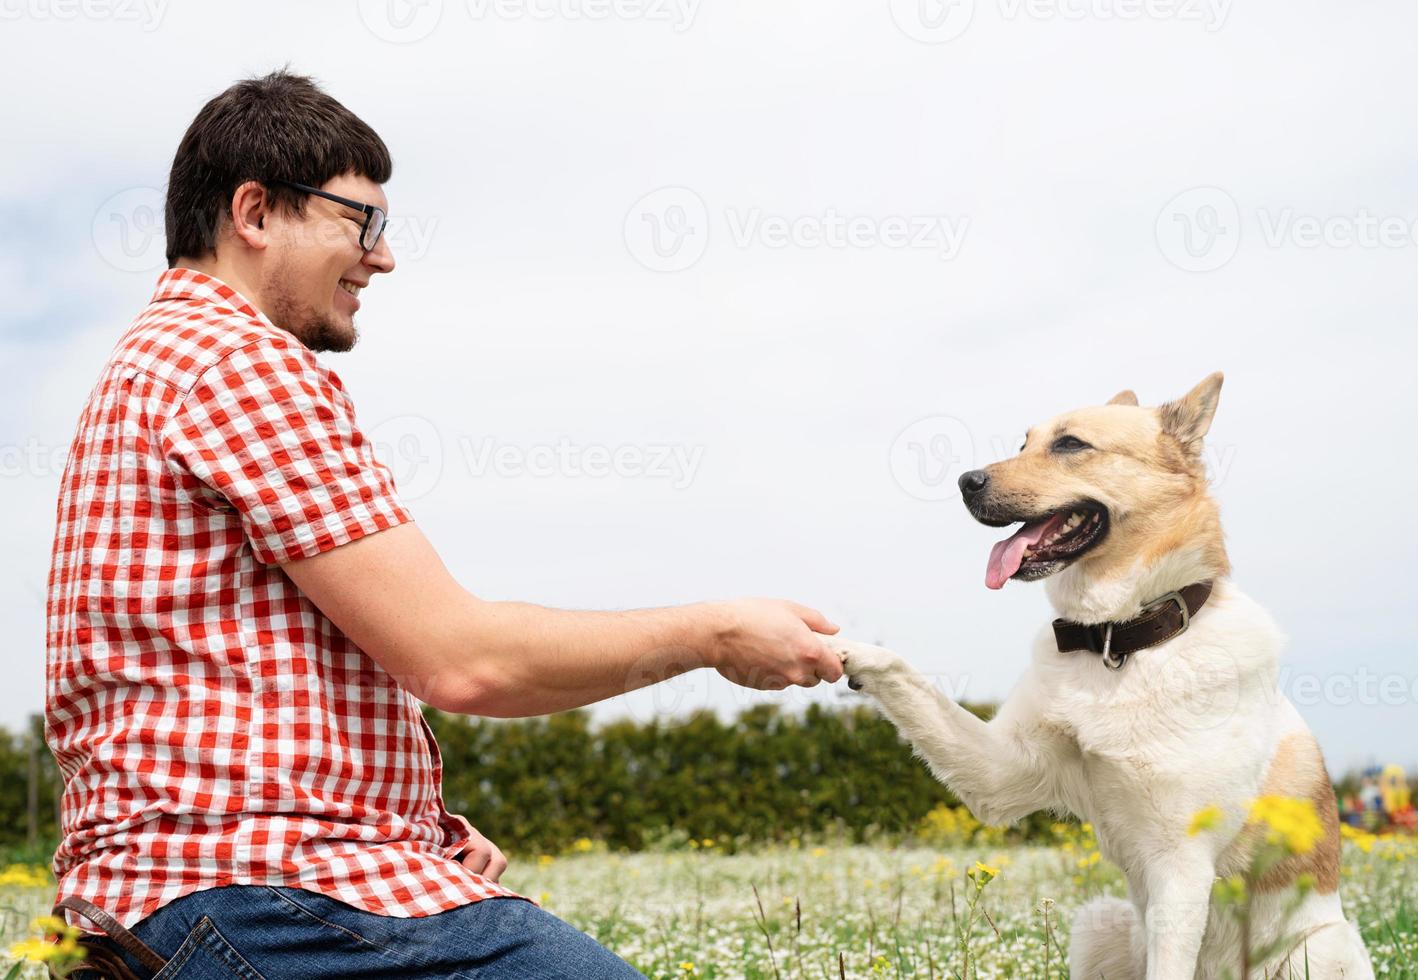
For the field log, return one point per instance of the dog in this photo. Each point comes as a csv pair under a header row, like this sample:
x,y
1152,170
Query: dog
x,y
1162,707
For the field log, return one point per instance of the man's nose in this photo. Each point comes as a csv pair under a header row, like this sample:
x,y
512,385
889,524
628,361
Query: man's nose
x,y
972,483
381,257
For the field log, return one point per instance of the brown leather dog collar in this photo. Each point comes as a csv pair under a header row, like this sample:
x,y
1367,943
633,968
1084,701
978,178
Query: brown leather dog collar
x,y
1161,619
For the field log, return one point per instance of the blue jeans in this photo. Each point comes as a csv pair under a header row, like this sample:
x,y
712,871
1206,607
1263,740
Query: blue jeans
x,y
256,932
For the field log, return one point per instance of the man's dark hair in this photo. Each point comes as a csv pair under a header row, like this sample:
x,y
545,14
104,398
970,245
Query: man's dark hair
x,y
280,127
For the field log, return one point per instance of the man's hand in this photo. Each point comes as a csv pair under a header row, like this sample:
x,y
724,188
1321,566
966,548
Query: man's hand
x,y
770,643
482,856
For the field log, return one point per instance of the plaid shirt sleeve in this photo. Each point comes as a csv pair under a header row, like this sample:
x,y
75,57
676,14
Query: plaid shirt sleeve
x,y
271,433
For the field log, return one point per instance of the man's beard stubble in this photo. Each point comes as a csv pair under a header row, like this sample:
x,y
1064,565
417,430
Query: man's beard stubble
x,y
317,331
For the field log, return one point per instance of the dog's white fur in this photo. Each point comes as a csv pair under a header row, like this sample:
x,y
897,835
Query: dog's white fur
x,y
1192,722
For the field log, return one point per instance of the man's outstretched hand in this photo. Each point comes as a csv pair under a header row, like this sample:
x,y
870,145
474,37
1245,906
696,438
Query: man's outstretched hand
x,y
769,644
483,857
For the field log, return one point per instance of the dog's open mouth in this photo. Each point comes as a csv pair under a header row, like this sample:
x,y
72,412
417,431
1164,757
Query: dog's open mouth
x,y
1046,545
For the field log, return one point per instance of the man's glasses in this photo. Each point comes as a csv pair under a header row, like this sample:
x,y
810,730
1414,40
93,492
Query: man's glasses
x,y
375,219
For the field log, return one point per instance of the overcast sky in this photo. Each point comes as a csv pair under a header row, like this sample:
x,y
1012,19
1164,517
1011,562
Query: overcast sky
x,y
708,298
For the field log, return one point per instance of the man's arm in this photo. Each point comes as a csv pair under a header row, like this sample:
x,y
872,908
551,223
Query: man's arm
x,y
391,594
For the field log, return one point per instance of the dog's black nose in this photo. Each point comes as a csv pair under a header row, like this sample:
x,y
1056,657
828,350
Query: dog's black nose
x,y
973,482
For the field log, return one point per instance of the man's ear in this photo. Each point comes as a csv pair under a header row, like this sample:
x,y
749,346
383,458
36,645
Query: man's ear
x,y
1126,397
1189,418
250,206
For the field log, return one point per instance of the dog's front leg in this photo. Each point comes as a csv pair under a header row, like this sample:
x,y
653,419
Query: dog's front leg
x,y
1179,899
995,768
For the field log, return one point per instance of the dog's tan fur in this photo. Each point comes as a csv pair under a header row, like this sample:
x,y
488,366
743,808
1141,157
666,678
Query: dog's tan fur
x,y
1150,464
1297,770
1192,722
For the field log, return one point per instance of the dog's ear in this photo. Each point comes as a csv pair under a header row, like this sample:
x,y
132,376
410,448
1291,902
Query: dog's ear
x,y
1189,418
1127,397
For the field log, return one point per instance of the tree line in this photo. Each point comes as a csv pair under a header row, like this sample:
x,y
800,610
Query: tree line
x,y
540,785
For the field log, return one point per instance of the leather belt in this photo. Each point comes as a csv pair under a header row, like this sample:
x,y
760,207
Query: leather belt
x,y
131,943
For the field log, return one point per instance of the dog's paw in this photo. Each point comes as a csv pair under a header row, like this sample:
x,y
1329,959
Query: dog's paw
x,y
862,662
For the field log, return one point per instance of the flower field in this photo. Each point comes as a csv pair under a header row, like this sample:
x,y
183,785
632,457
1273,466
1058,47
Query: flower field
x,y
806,910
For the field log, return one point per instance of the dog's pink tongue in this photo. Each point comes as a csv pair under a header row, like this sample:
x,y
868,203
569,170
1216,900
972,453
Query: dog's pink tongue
x,y
1007,555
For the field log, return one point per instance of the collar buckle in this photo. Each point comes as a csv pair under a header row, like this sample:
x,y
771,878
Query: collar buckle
x,y
1181,602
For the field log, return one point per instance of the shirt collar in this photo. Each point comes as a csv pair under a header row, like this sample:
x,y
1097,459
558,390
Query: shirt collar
x,y
190,284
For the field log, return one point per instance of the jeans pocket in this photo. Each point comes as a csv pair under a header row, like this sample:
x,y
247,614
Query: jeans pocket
x,y
206,955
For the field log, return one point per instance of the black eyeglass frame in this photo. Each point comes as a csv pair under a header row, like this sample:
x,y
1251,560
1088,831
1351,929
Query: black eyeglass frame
x,y
368,210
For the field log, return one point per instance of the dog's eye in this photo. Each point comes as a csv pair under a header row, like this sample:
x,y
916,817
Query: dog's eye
x,y
1069,444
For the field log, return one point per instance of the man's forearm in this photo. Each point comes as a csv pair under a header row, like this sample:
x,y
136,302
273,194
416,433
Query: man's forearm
x,y
517,659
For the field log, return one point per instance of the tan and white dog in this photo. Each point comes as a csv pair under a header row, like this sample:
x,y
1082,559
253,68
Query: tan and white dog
x,y
1116,514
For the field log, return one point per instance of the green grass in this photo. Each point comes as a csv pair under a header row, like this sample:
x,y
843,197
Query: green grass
x,y
821,912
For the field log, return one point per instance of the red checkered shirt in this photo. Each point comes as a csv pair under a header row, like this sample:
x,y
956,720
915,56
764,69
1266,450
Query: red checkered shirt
x,y
211,725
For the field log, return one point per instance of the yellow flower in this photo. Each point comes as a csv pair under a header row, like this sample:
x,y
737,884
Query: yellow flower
x,y
708,842
1207,818
818,852
1364,841
34,950
1230,891
545,861
1292,822
982,873
24,876
583,846
686,966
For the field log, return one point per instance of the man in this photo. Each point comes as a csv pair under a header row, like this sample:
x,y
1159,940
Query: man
x,y
242,613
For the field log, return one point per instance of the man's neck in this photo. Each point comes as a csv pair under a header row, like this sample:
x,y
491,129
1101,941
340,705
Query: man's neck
x,y
230,275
